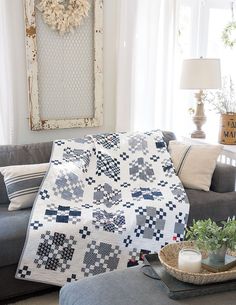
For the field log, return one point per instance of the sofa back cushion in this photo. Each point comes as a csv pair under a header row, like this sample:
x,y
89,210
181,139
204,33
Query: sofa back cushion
x,y
168,136
33,154
22,154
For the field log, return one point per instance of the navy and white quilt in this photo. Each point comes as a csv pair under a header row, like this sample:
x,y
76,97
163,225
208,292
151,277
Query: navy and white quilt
x,y
106,201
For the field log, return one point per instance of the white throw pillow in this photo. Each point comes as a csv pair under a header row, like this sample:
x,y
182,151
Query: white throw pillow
x,y
194,164
22,183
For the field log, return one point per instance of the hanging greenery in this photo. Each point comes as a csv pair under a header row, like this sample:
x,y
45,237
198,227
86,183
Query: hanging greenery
x,y
63,15
229,35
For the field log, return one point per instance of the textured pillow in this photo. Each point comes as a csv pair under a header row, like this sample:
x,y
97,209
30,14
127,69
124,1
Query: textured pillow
x,y
194,164
22,183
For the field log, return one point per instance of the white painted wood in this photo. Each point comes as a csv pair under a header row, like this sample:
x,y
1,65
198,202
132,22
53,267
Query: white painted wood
x,y
228,154
36,122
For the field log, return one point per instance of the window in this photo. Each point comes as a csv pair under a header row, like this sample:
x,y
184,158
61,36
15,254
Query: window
x,y
201,24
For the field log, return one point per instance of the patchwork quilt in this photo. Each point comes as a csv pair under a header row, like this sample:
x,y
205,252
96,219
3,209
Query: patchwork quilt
x,y
106,201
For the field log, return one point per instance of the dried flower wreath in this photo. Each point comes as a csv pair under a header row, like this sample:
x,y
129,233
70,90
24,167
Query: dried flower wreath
x,y
64,16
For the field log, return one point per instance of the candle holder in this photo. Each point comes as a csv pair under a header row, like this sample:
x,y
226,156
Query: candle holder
x,y
190,260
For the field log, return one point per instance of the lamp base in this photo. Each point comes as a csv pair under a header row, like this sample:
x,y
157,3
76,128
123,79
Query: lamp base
x,y
198,134
199,118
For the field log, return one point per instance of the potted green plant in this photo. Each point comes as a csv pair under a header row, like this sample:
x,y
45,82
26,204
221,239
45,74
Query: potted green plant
x,y
215,239
223,101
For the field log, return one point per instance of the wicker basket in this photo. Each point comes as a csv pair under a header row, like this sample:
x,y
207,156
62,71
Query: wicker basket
x,y
169,259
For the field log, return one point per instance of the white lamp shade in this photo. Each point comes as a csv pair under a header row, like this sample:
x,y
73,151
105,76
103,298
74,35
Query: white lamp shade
x,y
201,73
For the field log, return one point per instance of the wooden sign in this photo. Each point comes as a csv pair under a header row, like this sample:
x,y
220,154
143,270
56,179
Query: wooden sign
x,y
227,132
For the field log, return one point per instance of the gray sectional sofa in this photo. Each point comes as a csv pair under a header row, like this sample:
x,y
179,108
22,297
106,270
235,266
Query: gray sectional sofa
x,y
218,204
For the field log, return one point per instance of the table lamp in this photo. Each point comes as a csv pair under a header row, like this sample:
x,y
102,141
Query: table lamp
x,y
200,74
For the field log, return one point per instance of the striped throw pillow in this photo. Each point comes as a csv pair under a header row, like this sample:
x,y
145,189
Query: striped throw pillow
x,y
22,183
194,164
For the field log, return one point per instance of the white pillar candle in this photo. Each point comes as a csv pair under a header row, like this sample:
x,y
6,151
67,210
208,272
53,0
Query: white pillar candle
x,y
190,260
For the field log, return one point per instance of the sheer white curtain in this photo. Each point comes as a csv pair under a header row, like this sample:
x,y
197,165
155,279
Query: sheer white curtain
x,y
6,100
147,77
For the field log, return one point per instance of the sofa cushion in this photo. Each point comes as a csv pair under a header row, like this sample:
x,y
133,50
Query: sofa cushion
x,y
224,178
12,290
217,206
22,154
131,287
194,164
13,226
22,183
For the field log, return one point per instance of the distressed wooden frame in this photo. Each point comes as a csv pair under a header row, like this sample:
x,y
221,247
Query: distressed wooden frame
x,y
36,122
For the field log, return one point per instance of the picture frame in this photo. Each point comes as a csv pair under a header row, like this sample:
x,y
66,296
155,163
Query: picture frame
x,y
40,121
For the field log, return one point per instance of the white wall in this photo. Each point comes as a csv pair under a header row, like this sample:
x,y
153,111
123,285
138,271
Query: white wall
x,y
23,134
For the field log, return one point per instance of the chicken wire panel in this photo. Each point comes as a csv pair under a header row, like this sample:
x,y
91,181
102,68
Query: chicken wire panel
x,y
66,70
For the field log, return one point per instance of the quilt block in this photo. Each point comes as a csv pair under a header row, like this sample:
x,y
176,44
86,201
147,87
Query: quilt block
x,y
105,202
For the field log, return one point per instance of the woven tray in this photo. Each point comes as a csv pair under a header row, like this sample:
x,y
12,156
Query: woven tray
x,y
176,289
169,259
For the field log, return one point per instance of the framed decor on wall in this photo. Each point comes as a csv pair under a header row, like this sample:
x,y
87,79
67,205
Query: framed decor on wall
x,y
64,51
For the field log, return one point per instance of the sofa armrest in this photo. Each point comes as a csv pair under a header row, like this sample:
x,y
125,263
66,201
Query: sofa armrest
x,y
224,178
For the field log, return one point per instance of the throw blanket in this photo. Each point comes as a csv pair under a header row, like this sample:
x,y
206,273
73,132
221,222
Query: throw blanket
x,y
106,200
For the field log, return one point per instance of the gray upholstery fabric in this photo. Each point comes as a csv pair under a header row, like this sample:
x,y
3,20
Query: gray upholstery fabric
x,y
22,154
13,227
217,206
224,178
13,288
168,136
130,287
